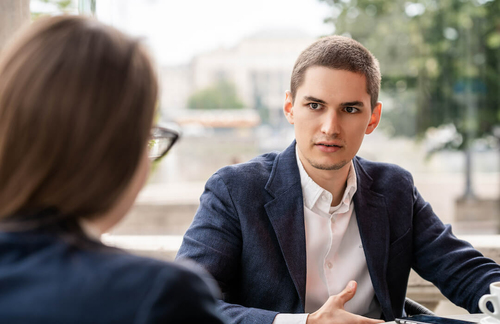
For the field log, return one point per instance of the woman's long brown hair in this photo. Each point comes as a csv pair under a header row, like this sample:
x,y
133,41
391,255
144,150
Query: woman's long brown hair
x,y
77,100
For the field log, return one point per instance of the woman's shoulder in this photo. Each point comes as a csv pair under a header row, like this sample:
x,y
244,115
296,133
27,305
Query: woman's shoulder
x,y
119,264
180,291
93,261
82,282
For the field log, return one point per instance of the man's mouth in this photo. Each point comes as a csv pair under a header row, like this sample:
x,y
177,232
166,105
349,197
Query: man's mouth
x,y
329,145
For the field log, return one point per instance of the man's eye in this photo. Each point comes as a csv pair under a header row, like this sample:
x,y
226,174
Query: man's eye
x,y
314,105
351,110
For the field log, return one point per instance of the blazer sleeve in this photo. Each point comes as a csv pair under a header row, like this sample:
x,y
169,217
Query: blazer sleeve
x,y
460,272
178,296
214,240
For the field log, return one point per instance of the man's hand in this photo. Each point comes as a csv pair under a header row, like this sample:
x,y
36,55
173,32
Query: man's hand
x,y
333,311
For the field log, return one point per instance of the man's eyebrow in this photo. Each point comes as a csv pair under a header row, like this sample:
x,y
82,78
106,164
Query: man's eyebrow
x,y
310,98
352,103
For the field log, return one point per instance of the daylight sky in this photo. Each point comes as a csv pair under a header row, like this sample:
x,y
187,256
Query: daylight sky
x,y
178,29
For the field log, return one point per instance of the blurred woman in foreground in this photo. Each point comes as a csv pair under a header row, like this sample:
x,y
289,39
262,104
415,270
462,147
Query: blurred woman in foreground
x,y
77,100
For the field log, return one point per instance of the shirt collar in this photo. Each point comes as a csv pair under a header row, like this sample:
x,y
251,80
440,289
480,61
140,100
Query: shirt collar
x,y
311,191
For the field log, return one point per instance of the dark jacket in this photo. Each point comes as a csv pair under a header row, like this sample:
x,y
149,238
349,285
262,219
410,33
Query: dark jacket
x,y
46,280
249,234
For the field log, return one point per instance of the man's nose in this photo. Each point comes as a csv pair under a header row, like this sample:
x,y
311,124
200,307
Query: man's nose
x,y
330,124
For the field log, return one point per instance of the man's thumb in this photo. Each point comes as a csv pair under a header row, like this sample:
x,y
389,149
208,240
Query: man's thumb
x,y
348,292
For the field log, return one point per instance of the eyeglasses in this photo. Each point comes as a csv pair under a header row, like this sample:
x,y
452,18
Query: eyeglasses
x,y
160,142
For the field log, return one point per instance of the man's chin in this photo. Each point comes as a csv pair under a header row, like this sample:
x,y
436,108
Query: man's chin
x,y
330,166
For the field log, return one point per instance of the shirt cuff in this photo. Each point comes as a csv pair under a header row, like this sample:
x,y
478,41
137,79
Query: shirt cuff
x,y
290,319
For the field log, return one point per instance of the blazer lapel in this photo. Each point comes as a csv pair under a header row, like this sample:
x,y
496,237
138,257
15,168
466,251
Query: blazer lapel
x,y
373,223
286,213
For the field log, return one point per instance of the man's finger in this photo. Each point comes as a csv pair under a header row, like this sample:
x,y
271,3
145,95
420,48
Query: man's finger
x,y
348,292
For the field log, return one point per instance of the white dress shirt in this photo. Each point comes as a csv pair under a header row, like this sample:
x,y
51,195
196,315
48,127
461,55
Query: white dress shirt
x,y
334,251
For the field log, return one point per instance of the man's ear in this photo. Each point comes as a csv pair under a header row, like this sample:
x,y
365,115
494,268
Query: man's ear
x,y
375,118
288,107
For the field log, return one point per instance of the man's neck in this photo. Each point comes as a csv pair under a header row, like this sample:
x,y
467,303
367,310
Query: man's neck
x,y
333,181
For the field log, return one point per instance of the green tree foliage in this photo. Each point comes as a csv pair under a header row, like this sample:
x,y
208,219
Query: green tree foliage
x,y
440,60
221,95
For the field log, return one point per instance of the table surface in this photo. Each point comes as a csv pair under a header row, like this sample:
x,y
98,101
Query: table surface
x,y
469,317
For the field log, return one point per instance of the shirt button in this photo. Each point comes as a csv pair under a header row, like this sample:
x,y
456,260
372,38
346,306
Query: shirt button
x,y
324,197
329,265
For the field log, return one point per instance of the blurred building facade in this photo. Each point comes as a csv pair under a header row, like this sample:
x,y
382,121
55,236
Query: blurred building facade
x,y
259,66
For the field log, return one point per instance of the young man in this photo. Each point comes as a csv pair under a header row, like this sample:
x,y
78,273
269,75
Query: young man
x,y
315,234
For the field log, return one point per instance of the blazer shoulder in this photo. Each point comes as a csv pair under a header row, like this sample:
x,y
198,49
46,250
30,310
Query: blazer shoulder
x,y
256,170
110,282
384,174
195,297
153,283
117,263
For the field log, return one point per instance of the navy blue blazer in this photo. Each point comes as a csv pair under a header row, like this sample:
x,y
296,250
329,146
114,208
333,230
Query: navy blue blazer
x,y
249,234
46,280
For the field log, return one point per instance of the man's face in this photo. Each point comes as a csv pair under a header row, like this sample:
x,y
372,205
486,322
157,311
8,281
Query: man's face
x,y
331,114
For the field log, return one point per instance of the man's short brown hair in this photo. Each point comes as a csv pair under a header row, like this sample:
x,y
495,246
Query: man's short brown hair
x,y
341,53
